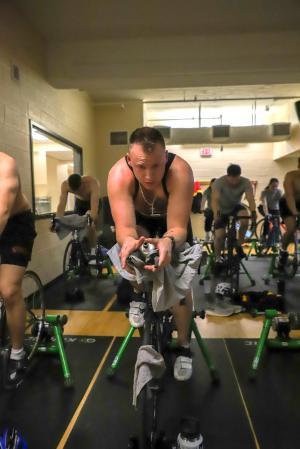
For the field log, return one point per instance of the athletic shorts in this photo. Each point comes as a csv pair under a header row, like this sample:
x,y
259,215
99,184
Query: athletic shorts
x,y
17,239
157,226
83,206
222,221
284,208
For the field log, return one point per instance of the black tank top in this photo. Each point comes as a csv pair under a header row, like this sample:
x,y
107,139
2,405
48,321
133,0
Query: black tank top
x,y
171,157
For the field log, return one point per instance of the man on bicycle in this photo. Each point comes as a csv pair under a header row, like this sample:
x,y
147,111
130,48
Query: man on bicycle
x,y
17,234
227,193
289,210
269,207
87,200
150,193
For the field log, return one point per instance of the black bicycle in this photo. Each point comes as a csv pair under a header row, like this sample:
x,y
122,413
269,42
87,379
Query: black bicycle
x,y
268,232
33,294
234,261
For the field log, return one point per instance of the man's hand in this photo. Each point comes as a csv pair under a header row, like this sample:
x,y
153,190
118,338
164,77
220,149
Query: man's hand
x,y
129,246
164,246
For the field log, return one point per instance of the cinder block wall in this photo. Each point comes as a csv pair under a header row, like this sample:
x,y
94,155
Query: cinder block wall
x,y
67,113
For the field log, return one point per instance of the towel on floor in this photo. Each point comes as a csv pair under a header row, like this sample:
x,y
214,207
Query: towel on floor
x,y
172,283
149,365
65,225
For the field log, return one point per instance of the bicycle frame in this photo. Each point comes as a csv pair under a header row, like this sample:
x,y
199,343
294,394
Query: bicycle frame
x,y
153,333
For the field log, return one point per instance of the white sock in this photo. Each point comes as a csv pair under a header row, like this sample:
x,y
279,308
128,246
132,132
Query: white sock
x,y
17,354
186,346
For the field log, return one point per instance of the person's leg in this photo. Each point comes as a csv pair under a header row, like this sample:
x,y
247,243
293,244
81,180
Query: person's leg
x,y
92,237
11,277
288,236
244,225
208,213
182,313
219,241
137,304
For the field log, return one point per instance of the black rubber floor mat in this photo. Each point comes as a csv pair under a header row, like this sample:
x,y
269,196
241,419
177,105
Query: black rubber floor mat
x,y
273,398
108,418
96,293
41,408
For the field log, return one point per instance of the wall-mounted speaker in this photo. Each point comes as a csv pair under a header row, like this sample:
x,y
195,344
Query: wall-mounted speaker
x,y
297,107
118,138
281,129
220,131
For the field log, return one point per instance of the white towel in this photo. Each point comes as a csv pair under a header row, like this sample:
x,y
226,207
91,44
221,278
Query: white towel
x,y
172,283
149,365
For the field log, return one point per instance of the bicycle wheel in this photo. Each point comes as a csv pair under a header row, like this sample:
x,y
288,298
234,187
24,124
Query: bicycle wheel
x,y
33,294
69,259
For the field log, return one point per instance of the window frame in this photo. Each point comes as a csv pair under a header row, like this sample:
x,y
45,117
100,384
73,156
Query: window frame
x,y
51,134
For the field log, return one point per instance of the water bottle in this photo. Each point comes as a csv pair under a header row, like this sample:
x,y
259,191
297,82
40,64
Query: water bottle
x,y
190,436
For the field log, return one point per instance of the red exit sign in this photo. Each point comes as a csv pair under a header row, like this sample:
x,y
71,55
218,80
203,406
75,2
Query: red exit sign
x,y
206,152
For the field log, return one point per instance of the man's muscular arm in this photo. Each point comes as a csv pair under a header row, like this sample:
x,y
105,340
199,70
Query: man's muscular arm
x,y
122,209
95,197
62,200
9,185
181,187
289,193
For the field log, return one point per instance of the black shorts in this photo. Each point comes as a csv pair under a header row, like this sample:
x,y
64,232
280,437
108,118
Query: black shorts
x,y
222,221
17,239
157,226
284,208
83,206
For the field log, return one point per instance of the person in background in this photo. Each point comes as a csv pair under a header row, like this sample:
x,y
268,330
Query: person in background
x,y
208,213
270,198
227,193
87,200
289,205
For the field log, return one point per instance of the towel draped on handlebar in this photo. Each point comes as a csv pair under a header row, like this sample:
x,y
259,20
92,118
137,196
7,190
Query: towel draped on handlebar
x,y
69,223
170,284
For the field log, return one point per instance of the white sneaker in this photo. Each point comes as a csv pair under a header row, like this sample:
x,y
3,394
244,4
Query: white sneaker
x,y
183,368
136,313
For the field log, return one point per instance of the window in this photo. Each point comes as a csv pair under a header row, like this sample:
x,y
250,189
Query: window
x,y
54,159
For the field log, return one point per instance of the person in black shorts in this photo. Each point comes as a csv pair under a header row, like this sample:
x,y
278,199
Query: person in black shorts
x,y
150,193
87,200
289,206
17,234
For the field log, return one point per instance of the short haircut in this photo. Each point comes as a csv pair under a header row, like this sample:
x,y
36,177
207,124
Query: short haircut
x,y
234,170
148,137
74,181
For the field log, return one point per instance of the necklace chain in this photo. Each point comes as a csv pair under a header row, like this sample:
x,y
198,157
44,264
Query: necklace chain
x,y
148,202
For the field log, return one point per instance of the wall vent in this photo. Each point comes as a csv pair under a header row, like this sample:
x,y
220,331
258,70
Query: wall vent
x,y
281,129
220,131
118,138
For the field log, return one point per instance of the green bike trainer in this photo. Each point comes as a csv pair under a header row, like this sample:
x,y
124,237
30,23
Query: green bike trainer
x,y
282,324
194,329
52,343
